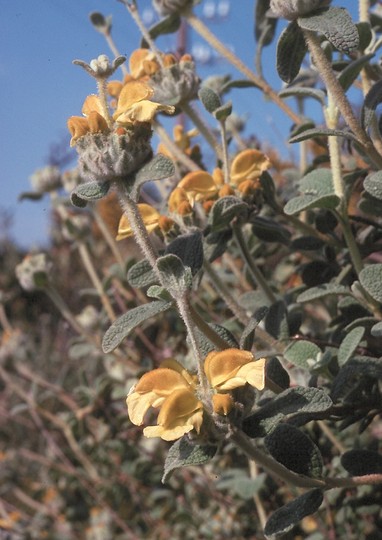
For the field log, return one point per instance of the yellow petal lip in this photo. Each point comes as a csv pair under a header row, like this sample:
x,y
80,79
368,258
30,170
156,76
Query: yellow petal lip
x,y
248,164
232,368
78,127
92,103
136,62
199,185
143,111
133,92
150,218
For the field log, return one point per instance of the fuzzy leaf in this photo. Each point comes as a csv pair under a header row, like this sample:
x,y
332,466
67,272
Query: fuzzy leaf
x,y
302,91
122,327
189,248
317,192
321,132
222,113
156,169
376,330
291,49
293,403
371,280
237,482
373,185
275,372
224,210
276,320
268,230
167,25
356,369
327,289
247,337
92,190
183,453
264,26
209,98
362,462
286,517
295,450
141,274
302,353
351,72
372,99
349,344
336,25
77,201
175,276
237,83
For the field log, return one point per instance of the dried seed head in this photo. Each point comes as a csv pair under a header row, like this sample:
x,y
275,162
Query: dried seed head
x,y
292,9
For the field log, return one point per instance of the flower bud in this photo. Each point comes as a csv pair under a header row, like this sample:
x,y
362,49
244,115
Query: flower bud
x,y
101,65
46,179
34,272
292,9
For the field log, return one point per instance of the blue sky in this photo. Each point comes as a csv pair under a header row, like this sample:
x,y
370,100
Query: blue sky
x,y
40,87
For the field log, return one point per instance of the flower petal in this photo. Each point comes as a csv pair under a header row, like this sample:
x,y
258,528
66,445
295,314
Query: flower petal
x,y
92,103
78,127
222,403
199,185
247,165
136,62
138,404
144,111
133,92
222,366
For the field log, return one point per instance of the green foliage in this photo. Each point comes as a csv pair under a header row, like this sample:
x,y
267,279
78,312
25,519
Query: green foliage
x,y
336,25
184,453
317,192
291,50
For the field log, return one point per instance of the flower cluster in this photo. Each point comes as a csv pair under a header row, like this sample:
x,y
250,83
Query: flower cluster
x,y
173,390
113,145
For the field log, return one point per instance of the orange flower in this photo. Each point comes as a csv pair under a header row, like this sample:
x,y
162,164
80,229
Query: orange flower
x,y
92,122
150,217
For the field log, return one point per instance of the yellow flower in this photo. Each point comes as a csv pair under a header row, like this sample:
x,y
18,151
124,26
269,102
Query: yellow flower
x,y
93,120
248,165
199,186
233,368
172,389
150,218
134,104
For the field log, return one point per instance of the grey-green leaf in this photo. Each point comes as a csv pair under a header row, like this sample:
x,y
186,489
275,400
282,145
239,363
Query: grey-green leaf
x,y
293,403
167,25
317,192
321,132
349,344
189,248
336,25
122,327
92,190
302,91
321,291
291,49
371,280
286,517
247,337
175,276
351,72
224,210
141,274
376,330
209,98
183,453
362,462
222,113
295,450
372,99
156,169
373,185
302,353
